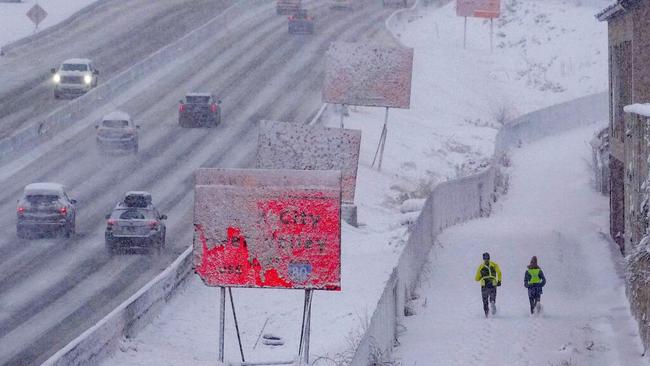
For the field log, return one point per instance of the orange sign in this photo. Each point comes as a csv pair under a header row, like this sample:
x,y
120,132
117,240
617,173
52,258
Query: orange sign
x,y
478,8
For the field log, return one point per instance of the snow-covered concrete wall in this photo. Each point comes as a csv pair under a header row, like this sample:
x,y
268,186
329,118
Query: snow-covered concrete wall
x,y
457,201
86,104
104,337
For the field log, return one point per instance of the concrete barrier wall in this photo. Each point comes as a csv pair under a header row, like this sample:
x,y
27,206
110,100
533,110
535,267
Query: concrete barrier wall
x,y
132,315
458,201
81,107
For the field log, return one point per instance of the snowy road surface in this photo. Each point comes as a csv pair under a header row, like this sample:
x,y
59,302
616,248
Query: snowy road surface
x,y
52,289
116,34
550,211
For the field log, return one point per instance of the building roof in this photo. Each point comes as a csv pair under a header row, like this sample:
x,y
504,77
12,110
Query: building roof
x,y
615,8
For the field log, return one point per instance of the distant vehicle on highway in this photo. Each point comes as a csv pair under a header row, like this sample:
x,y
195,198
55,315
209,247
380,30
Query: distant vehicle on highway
x,y
199,110
287,6
135,223
398,3
301,23
117,132
344,4
74,77
45,208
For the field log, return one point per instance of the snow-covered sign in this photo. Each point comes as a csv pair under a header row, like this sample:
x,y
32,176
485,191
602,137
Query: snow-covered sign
x,y
370,75
283,145
478,8
268,228
36,14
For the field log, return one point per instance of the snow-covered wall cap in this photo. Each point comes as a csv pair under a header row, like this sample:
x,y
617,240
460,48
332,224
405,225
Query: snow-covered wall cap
x,y
614,9
640,109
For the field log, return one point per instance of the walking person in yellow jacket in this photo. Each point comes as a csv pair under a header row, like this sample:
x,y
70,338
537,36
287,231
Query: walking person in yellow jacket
x,y
534,280
489,275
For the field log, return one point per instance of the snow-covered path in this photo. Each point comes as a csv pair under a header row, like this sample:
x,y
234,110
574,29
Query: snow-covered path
x,y
550,211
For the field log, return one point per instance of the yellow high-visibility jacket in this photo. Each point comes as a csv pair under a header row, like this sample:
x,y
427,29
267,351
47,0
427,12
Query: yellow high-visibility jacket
x,y
488,273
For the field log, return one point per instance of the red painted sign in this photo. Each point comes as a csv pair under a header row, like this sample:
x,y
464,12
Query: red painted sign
x,y
478,8
255,235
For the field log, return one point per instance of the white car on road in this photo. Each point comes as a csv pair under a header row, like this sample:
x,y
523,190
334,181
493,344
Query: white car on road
x,y
74,77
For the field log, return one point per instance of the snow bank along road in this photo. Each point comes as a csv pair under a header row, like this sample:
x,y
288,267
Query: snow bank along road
x,y
550,211
53,289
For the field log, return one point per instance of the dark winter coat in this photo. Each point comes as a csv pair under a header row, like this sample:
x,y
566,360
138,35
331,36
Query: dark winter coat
x,y
534,289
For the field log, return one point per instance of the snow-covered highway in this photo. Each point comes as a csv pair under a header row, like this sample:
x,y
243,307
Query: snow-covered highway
x,y
112,35
550,211
52,289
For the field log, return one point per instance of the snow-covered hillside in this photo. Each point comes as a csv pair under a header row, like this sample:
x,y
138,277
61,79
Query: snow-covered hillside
x,y
14,23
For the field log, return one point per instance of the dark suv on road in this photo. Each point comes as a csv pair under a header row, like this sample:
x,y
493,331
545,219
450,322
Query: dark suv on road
x,y
199,110
135,224
45,208
301,22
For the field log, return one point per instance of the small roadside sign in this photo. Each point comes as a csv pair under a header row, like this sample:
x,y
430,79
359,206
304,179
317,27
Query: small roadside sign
x,y
36,14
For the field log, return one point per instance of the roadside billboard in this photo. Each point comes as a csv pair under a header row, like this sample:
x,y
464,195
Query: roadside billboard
x,y
368,75
284,145
478,8
268,228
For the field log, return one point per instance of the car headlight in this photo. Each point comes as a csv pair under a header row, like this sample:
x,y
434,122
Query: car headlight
x,y
57,78
88,79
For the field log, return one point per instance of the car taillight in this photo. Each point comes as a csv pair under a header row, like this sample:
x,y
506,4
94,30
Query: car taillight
x,y
63,210
153,224
20,210
110,223
181,108
291,17
213,108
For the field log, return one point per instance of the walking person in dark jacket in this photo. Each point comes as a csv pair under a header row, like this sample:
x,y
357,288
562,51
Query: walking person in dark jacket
x,y
534,281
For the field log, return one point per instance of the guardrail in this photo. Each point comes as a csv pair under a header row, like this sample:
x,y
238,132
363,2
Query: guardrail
x,y
103,338
457,201
84,105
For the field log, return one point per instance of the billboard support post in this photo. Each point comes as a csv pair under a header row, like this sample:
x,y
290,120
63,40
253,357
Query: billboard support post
x,y
305,333
234,316
222,322
465,34
382,143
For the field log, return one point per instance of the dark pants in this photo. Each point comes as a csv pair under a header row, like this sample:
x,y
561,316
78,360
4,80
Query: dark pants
x,y
488,294
534,296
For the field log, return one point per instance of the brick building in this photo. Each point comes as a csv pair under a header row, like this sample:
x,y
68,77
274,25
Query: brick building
x,y
629,83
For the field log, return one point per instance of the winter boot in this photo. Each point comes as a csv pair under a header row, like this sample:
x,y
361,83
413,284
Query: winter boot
x,y
538,307
493,308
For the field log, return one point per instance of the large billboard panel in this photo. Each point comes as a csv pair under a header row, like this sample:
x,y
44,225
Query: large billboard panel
x,y
250,231
283,145
478,8
369,75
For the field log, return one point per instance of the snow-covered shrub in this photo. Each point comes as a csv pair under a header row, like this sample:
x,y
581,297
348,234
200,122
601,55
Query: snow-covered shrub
x,y
638,265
